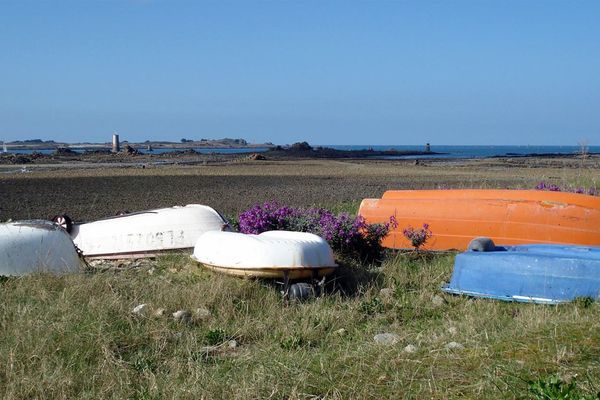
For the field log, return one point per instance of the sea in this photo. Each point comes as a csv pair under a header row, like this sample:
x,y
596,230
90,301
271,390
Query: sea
x,y
465,151
447,151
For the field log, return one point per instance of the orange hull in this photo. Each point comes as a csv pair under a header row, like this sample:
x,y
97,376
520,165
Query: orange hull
x,y
507,216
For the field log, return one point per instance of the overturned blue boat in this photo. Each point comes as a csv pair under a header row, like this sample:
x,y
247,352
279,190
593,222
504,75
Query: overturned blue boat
x,y
547,274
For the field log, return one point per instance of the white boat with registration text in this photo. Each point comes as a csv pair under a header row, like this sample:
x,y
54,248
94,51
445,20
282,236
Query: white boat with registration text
x,y
145,233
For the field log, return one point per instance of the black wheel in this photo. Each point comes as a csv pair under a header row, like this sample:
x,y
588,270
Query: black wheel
x,y
64,221
301,291
481,244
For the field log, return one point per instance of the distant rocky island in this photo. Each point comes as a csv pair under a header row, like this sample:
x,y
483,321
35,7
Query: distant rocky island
x,y
50,151
296,150
305,150
39,144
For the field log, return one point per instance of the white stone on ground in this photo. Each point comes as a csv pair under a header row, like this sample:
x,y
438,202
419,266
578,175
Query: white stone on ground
x,y
454,346
140,309
387,295
203,313
411,348
387,339
182,316
438,300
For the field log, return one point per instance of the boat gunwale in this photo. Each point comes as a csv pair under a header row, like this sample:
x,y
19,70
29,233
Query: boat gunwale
x,y
567,198
270,268
295,272
507,298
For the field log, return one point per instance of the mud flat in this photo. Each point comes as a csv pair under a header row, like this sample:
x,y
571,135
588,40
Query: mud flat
x,y
88,191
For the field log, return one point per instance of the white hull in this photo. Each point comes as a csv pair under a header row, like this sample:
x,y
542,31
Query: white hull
x,y
36,246
146,233
270,254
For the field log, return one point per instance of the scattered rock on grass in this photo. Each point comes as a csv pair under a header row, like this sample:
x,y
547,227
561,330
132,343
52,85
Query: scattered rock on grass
x,y
386,295
160,312
140,309
340,332
182,316
203,313
386,339
454,346
452,330
438,300
411,348
221,349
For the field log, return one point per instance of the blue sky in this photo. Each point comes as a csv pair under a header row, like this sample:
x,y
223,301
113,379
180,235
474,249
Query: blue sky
x,y
329,72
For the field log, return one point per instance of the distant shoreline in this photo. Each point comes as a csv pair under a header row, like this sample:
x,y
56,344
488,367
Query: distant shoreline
x,y
301,150
140,146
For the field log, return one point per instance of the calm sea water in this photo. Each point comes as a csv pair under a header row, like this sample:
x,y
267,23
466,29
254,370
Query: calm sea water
x,y
473,151
449,151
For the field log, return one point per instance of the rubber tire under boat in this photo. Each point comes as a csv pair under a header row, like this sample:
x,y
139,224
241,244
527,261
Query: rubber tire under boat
x,y
481,244
301,291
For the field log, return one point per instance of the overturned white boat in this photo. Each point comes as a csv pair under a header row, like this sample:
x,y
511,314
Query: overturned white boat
x,y
291,255
36,246
146,233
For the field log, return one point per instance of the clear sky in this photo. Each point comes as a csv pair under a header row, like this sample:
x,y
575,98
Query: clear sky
x,y
329,72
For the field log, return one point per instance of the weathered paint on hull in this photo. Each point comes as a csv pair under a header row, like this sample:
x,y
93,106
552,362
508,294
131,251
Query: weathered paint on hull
x,y
507,216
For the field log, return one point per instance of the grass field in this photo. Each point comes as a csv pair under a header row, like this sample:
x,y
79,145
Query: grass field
x,y
77,336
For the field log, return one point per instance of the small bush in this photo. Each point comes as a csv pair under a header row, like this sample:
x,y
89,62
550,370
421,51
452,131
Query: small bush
x,y
584,302
417,237
295,342
554,388
373,306
216,336
346,234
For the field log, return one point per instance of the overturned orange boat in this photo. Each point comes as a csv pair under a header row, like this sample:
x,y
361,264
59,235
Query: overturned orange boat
x,y
508,217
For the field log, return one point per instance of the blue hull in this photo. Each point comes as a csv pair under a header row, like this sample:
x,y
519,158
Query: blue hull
x,y
548,274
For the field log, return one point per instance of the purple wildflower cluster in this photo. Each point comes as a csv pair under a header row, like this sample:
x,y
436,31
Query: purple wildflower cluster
x,y
555,188
346,234
417,237
267,217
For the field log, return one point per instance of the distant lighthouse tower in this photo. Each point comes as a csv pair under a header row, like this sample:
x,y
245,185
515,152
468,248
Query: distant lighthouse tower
x,y
115,143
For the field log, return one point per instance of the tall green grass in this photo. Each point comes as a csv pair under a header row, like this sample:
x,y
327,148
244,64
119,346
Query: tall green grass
x,y
76,337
